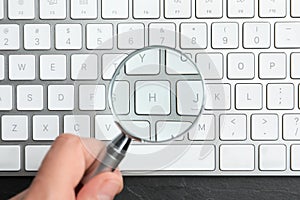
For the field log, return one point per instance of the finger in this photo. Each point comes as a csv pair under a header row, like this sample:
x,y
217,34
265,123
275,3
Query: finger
x,y
104,186
63,167
20,196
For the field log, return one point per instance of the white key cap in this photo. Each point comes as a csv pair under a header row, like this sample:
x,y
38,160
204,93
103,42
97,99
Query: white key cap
x,y
45,127
105,127
240,9
131,36
34,155
2,67
179,64
178,9
141,128
152,97
1,9
280,96
10,158
210,65
240,65
162,34
53,67
272,65
37,36
237,157
295,8
84,9
264,127
110,62
21,9
272,157
287,35
60,97
225,35
272,8
115,9
9,37
144,9
121,97
6,100
248,96
256,35
30,97
295,153
53,9
295,62
209,9
233,127
196,157
193,35
92,97
204,129
78,125
218,97
291,126
68,36
84,66
189,97
99,36
21,67
14,127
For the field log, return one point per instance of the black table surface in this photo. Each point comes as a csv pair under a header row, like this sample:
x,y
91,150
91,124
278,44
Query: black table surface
x,y
206,188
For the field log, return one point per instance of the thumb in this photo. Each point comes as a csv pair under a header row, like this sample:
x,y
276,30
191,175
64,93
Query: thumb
x,y
104,186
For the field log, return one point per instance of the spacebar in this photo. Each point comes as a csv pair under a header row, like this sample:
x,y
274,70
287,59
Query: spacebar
x,y
169,157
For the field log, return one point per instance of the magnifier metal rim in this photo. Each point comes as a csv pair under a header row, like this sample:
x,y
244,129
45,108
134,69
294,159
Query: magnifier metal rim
x,y
116,73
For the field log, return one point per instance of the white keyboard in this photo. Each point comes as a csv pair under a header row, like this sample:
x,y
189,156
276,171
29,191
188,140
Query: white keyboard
x,y
57,57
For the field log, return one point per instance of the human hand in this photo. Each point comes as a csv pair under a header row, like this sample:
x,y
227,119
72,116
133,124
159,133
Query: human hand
x,y
64,166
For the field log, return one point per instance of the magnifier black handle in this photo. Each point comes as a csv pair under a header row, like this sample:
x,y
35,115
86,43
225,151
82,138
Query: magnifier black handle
x,y
115,152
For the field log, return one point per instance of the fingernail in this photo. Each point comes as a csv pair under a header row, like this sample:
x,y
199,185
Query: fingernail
x,y
108,190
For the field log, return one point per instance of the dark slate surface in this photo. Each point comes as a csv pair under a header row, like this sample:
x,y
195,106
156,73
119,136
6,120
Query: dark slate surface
x,y
206,188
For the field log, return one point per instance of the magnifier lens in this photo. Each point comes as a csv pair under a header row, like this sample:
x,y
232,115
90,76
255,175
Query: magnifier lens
x,y
156,94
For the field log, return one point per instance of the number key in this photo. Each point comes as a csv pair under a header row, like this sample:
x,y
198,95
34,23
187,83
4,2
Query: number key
x,y
162,34
9,37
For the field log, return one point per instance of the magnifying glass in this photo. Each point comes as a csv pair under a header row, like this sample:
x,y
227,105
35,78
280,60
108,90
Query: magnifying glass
x,y
155,95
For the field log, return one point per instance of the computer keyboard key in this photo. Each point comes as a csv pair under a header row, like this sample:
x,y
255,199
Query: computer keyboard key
x,y
45,127
37,36
225,35
110,62
53,67
209,9
30,97
295,62
34,155
21,67
2,67
295,8
105,127
210,65
233,127
218,97
10,158
170,129
144,9
291,127
272,157
193,35
178,9
240,9
240,65
248,96
14,127
92,97
139,128
78,125
9,36
287,35
121,96
99,36
264,127
115,9
21,9
53,9
6,97
272,65
60,97
84,66
204,129
68,36
179,64
131,36
84,9
273,8
256,35
295,161
237,157
280,96
1,9
162,34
